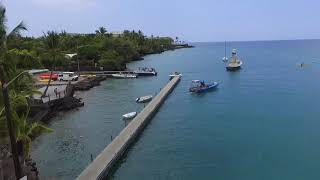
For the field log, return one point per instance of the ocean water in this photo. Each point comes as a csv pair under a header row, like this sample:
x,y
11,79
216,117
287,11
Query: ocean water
x,y
261,123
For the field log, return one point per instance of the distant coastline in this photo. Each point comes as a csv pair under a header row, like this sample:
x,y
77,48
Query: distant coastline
x,y
101,50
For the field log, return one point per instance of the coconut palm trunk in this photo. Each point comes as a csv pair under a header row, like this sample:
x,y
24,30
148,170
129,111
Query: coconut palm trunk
x,y
52,40
50,79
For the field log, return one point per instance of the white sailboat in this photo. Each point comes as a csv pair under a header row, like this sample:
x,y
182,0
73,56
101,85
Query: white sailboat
x,y
225,58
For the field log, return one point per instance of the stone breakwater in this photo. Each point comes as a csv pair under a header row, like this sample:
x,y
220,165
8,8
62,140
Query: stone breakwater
x,y
89,83
101,167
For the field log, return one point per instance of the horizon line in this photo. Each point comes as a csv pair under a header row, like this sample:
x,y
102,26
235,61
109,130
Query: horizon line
x,y
261,40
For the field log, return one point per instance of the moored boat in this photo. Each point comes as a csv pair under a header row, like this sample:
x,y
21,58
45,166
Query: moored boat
x,y
234,63
145,71
225,58
130,115
144,99
174,75
124,76
199,86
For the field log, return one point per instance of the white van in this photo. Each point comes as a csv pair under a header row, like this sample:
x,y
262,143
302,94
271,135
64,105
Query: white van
x,y
68,76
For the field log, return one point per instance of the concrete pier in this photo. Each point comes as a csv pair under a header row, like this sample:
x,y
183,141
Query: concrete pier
x,y
103,163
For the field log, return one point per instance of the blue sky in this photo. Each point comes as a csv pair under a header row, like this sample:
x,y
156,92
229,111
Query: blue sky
x,y
191,20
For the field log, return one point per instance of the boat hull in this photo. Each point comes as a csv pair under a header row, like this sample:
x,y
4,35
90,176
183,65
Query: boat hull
x,y
146,73
144,99
129,115
174,75
206,89
233,68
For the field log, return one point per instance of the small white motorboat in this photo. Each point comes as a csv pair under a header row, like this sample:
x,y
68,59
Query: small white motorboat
x,y
144,99
175,74
124,76
145,71
129,115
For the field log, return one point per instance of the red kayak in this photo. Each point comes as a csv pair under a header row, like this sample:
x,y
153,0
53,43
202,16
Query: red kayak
x,y
54,76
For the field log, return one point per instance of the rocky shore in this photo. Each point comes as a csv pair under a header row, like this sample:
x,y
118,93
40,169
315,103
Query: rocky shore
x,y
29,168
89,83
44,112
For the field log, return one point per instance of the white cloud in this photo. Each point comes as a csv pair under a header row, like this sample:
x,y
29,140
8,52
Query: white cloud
x,y
65,3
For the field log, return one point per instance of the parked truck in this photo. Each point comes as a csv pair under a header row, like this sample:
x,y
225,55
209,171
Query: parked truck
x,y
68,76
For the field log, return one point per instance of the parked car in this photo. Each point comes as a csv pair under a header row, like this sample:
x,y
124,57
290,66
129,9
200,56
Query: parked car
x,y
68,76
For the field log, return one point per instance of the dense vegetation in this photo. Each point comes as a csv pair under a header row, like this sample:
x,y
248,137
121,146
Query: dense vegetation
x,y
96,51
100,50
12,63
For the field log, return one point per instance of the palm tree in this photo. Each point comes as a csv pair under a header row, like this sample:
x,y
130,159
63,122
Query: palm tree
x,y
6,36
52,42
10,69
26,131
19,103
101,31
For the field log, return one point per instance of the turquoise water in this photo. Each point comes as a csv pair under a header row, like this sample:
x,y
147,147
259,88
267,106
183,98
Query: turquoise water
x,y
261,123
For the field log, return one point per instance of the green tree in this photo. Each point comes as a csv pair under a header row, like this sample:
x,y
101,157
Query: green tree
x,y
24,59
101,31
111,60
6,36
52,42
26,131
9,66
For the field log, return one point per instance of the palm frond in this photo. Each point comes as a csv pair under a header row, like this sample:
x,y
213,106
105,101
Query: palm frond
x,y
52,40
3,27
36,129
2,13
2,111
3,18
17,30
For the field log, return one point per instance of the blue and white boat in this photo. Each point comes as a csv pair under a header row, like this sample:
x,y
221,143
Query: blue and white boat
x,y
199,86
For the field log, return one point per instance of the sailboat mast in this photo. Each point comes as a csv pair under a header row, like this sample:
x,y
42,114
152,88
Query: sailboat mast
x,y
225,49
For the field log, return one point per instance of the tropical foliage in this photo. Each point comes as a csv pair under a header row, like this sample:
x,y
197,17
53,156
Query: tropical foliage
x,y
99,49
14,61
26,131
52,42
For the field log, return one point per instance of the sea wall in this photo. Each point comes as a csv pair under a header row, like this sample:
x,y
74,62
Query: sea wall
x,y
101,167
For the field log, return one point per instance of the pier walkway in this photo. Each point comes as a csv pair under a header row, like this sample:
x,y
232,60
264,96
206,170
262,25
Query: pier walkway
x,y
105,72
103,163
51,94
